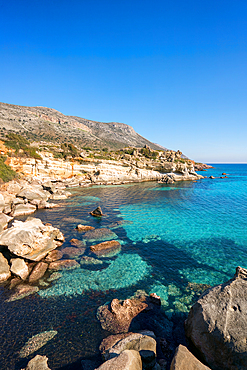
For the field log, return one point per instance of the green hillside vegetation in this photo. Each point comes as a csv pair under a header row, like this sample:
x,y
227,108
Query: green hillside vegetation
x,y
6,173
21,146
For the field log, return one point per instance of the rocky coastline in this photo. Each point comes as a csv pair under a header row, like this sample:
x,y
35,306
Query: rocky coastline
x,y
30,249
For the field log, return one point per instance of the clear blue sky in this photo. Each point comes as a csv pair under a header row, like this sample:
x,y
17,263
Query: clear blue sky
x,y
175,70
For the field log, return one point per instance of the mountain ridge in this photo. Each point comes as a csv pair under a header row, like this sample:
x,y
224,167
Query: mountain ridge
x,y
48,124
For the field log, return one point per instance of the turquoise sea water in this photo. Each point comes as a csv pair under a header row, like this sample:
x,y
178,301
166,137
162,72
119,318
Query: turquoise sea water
x,y
175,241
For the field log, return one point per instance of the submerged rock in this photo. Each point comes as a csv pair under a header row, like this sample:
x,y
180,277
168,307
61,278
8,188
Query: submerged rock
x,y
36,342
100,234
64,265
72,252
22,291
117,316
184,360
31,239
77,243
38,272
85,260
38,363
217,324
4,269
127,360
54,256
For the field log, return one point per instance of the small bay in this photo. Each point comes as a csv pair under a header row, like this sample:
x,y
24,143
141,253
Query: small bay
x,y
175,241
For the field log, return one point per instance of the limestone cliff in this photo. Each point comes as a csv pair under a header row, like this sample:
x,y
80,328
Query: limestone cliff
x,y
101,171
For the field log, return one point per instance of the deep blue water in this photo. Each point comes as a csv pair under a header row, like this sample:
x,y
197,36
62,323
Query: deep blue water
x,y
173,237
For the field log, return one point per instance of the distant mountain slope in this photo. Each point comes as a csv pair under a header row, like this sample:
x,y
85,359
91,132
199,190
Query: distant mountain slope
x,y
40,123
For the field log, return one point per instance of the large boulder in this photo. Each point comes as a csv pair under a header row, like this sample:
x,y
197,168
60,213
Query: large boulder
x,y
133,341
34,192
184,360
118,315
217,324
23,209
31,239
4,269
127,360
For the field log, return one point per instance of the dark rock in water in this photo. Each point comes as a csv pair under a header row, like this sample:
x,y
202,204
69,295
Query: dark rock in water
x,y
84,227
167,179
117,316
99,234
127,360
64,265
89,364
217,324
38,272
38,363
184,360
97,212
154,298
54,256
90,261
73,252
148,359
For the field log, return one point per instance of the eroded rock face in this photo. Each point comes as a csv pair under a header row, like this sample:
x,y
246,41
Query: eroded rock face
x,y
217,324
127,360
31,239
184,360
117,316
4,269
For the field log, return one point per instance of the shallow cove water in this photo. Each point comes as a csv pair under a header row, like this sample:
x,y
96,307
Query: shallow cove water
x,y
174,238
